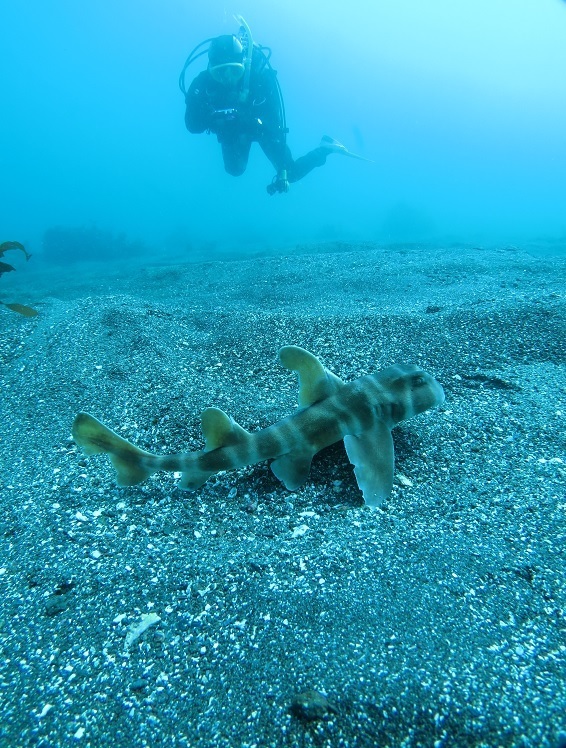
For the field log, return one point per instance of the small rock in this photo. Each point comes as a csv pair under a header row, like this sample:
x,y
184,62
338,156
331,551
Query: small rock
x,y
403,480
310,705
54,605
138,685
66,585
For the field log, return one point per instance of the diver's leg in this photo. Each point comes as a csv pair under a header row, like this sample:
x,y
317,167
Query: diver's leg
x,y
278,153
280,156
303,165
235,152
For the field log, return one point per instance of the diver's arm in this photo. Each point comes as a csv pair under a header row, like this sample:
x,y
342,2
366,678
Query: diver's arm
x,y
268,102
199,110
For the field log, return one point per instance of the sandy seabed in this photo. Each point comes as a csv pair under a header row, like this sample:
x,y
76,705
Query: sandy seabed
x,y
439,620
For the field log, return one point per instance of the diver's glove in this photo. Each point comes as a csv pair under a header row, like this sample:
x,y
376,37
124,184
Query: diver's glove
x,y
280,183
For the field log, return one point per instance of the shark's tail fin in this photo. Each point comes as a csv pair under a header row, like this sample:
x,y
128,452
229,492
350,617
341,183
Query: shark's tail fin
x,y
132,465
227,446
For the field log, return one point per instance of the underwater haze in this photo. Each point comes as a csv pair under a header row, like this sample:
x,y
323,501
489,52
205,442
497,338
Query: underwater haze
x,y
461,106
383,566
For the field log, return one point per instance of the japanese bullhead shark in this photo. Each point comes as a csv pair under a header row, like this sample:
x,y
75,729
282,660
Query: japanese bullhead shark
x,y
361,412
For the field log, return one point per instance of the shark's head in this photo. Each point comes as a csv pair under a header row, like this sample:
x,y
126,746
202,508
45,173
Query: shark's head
x,y
411,390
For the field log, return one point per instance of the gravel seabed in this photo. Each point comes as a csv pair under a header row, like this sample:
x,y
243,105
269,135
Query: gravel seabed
x,y
437,621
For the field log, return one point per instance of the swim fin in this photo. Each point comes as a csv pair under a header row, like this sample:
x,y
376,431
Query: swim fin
x,y
334,146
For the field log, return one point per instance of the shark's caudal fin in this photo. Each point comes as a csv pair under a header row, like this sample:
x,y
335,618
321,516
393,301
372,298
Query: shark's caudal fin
x,y
131,463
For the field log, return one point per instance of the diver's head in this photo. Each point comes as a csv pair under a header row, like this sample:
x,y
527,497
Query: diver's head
x,y
226,60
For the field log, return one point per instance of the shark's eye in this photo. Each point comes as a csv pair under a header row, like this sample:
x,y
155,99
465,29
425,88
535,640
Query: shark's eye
x,y
419,381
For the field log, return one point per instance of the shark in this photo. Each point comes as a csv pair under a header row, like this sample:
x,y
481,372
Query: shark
x,y
361,412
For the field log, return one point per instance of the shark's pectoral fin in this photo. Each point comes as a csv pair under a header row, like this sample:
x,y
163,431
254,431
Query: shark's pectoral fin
x,y
315,382
292,469
371,454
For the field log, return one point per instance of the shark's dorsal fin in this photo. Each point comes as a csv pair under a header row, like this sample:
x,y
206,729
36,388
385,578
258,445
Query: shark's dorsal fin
x,y
372,456
315,382
220,430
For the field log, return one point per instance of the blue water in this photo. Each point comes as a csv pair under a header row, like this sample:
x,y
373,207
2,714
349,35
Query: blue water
x,y
462,106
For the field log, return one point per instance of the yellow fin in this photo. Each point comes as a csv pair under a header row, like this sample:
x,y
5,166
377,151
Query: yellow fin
x,y
27,311
129,461
220,430
315,382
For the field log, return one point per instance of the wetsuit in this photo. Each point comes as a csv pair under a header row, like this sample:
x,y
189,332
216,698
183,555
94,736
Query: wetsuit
x,y
213,107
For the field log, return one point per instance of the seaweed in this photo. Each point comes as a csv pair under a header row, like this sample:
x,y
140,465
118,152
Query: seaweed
x,y
22,309
5,246
5,268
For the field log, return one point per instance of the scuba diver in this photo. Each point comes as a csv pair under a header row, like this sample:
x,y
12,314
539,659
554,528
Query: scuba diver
x,y
238,98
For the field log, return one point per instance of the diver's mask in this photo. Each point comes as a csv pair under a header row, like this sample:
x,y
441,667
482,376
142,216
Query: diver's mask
x,y
227,73
226,60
